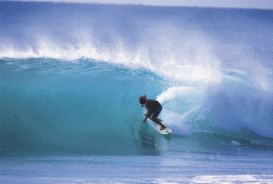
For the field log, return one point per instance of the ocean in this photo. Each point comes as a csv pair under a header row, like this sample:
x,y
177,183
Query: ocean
x,y
72,74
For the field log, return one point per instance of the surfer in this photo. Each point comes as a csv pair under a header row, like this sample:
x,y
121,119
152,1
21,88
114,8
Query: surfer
x,y
153,109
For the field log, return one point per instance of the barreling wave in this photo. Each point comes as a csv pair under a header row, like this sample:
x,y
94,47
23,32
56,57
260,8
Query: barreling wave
x,y
72,83
92,108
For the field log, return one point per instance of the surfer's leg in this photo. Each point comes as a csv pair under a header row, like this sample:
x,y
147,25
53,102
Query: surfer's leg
x,y
154,117
158,122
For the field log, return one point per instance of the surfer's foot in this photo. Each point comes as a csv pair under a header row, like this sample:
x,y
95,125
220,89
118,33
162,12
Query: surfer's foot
x,y
162,127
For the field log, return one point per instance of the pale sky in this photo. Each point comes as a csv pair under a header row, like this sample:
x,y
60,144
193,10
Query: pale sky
x,y
258,4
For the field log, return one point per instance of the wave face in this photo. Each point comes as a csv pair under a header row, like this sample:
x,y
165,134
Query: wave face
x,y
54,105
70,82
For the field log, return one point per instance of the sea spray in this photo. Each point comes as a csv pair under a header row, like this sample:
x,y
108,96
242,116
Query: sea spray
x,y
74,81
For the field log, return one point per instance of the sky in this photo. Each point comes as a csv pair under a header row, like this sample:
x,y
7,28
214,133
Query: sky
x,y
257,4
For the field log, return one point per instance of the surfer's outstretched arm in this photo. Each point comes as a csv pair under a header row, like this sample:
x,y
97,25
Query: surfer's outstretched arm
x,y
148,113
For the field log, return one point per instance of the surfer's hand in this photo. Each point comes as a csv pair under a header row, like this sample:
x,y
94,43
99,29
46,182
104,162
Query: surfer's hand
x,y
144,120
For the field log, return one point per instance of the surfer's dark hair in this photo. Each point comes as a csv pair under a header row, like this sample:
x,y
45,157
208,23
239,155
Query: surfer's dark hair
x,y
142,100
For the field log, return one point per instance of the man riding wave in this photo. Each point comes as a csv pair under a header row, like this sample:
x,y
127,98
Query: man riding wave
x,y
153,109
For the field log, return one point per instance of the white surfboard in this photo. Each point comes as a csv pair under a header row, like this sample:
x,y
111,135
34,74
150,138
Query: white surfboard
x,y
165,131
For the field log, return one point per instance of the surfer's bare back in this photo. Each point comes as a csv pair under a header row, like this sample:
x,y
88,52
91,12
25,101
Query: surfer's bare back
x,y
153,109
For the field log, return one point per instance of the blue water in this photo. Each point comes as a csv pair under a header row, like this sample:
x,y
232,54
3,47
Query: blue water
x,y
71,76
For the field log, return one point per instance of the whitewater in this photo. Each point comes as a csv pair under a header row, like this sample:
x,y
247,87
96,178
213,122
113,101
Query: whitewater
x,y
71,76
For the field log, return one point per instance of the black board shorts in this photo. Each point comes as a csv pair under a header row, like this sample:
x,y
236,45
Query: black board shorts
x,y
156,112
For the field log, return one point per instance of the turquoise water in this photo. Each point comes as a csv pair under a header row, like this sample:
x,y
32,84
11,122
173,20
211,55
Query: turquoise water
x,y
83,107
87,107
70,86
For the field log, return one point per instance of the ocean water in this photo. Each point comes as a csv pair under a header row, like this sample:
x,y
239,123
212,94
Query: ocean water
x,y
71,76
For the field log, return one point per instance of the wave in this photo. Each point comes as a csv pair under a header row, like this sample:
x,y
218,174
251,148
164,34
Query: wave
x,y
90,107
71,83
71,107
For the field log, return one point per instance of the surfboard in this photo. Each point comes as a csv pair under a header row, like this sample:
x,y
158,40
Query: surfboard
x,y
165,131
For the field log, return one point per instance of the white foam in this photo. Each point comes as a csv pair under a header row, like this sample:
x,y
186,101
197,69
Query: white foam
x,y
235,143
187,56
179,104
171,93
233,179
